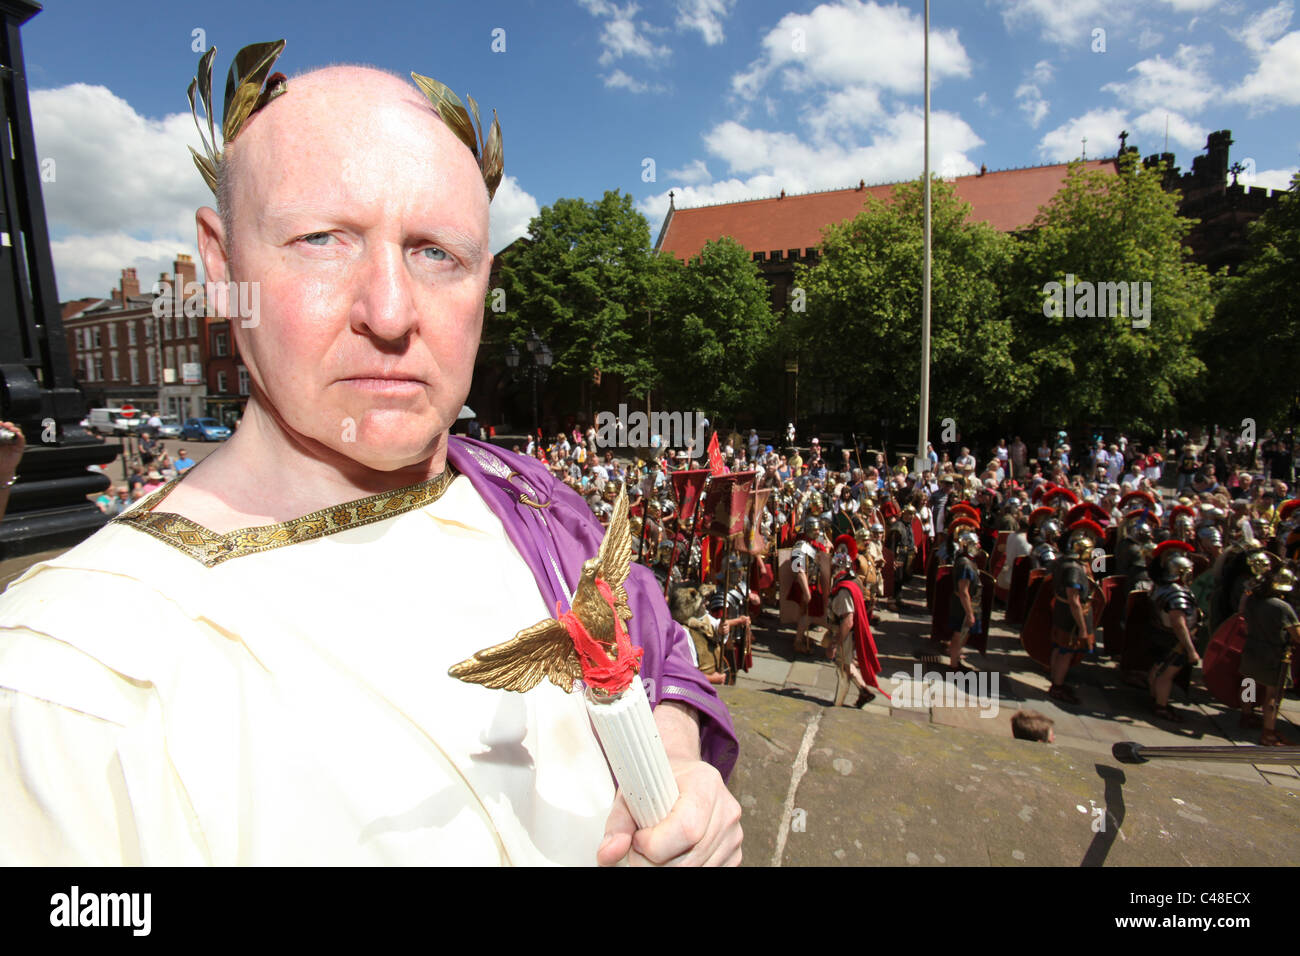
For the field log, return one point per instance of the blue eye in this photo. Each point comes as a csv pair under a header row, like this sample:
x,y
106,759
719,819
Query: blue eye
x,y
324,236
439,257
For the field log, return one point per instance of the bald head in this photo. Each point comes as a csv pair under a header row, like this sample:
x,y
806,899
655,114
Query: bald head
x,y
348,115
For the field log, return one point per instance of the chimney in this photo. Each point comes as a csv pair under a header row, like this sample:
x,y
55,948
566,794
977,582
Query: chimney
x,y
184,267
130,285
983,169
782,196
862,184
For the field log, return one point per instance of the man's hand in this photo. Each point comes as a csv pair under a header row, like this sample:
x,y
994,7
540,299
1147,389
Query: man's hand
x,y
703,828
11,453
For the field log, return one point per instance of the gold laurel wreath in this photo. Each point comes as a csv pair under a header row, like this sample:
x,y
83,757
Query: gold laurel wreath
x,y
247,91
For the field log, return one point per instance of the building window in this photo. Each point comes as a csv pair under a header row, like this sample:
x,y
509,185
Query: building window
x,y
87,370
97,337
112,360
112,337
148,330
194,326
221,383
130,332
223,344
135,367
153,377
243,380
167,328
194,355
170,361
99,368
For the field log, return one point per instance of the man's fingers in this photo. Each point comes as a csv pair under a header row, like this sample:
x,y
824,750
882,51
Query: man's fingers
x,y
619,827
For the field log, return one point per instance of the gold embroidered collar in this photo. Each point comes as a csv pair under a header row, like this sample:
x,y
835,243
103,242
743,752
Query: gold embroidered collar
x,y
210,548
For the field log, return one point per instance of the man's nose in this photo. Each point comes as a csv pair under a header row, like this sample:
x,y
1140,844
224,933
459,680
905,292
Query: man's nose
x,y
384,301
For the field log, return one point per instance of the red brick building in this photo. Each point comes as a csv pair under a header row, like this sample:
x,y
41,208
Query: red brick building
x,y
156,349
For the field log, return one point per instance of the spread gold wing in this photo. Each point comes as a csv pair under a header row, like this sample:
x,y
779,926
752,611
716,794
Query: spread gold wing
x,y
615,555
543,650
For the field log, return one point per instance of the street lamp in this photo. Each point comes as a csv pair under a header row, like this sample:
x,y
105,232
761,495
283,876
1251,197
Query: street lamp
x,y
540,360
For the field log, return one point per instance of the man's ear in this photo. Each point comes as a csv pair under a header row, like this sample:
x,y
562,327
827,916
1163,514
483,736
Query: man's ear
x,y
212,245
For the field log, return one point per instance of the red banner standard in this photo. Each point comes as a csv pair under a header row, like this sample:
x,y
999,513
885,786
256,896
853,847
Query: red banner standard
x,y
726,504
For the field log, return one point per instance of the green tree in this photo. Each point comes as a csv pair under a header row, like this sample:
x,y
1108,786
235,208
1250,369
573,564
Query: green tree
x,y
1252,346
860,338
716,334
1127,368
582,283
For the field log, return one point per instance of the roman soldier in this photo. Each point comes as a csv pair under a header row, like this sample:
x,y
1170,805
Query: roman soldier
x,y
1072,590
1173,622
964,617
807,589
849,641
1272,629
902,542
1044,530
1287,541
1137,528
1182,524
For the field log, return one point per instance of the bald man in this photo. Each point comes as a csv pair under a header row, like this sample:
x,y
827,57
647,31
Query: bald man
x,y
255,669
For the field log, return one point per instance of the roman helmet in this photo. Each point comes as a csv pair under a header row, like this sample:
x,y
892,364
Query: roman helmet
x,y
1139,525
1137,501
1259,562
1085,535
968,542
1171,557
845,554
1283,580
1182,520
612,487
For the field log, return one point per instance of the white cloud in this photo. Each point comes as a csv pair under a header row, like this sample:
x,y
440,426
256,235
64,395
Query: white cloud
x,y
1189,6
1276,80
92,265
509,214
1182,132
853,44
1149,38
1265,27
1271,178
855,107
705,16
1067,24
692,173
982,100
620,80
115,170
622,35
1100,126
764,162
1182,83
1030,95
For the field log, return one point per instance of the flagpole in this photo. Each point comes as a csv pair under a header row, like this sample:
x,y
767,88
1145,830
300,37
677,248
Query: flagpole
x,y
923,433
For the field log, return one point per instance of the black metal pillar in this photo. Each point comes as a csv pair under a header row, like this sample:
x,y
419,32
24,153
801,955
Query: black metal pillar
x,y
48,507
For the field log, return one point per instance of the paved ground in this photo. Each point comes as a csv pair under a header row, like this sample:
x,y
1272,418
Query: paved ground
x,y
1111,710
935,785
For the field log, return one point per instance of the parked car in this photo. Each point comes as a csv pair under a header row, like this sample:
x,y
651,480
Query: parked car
x,y
171,427
204,429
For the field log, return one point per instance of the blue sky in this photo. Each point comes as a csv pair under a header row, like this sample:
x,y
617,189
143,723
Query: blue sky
x,y
729,99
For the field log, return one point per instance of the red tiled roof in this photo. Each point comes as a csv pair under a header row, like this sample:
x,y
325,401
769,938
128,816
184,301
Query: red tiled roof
x,y
1007,199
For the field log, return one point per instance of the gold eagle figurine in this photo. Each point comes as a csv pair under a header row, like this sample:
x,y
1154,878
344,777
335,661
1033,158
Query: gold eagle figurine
x,y
588,641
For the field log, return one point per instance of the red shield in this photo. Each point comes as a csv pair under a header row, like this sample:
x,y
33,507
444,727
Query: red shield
x,y
1112,621
939,629
1016,597
1222,661
931,574
1036,633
